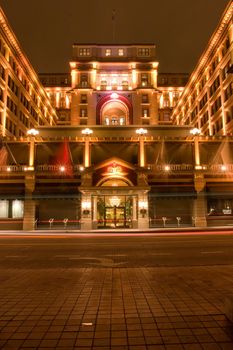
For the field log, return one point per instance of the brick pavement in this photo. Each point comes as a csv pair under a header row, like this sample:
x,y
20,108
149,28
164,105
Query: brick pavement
x,y
115,308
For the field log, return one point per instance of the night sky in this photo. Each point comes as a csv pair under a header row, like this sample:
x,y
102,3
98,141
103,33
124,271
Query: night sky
x,y
46,29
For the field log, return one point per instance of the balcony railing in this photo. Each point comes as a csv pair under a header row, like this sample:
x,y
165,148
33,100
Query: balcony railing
x,y
219,168
160,168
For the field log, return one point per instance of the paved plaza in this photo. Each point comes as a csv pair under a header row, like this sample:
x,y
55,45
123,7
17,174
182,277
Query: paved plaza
x,y
115,292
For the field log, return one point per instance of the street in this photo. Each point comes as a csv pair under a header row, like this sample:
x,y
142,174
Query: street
x,y
116,250
133,291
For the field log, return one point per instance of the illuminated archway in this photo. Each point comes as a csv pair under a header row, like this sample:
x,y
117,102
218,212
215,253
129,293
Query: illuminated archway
x,y
114,106
120,181
114,112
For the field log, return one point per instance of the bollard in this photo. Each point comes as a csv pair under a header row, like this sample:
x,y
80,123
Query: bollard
x,y
65,222
51,220
164,218
178,218
193,220
35,223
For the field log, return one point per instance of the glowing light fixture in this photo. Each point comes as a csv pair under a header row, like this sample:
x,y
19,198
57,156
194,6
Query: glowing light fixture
x,y
8,169
33,132
115,201
195,131
167,168
223,168
62,169
114,95
87,131
141,131
81,168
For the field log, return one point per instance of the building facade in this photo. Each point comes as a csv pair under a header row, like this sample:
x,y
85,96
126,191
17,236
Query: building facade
x,y
102,152
206,102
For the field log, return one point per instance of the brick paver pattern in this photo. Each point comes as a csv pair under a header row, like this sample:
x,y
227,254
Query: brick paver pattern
x,y
116,308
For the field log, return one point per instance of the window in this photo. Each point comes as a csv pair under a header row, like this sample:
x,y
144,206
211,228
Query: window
x,y
108,52
228,92
17,208
229,114
14,88
2,72
204,118
120,52
203,101
144,79
83,112
216,105
214,86
4,208
145,112
1,94
225,71
85,51
11,105
145,98
84,80
83,98
143,52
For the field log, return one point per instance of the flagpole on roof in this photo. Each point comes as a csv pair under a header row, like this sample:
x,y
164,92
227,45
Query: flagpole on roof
x,y
113,25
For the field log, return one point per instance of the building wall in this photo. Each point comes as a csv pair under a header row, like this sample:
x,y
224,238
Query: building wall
x,y
207,100
23,101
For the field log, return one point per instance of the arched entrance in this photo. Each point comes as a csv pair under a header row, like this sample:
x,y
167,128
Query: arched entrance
x,y
115,208
114,112
114,109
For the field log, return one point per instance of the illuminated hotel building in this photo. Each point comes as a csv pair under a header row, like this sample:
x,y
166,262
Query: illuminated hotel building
x,y
113,144
206,102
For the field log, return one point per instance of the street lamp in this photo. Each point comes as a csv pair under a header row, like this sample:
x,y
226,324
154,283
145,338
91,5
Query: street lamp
x,y
196,132
87,132
141,132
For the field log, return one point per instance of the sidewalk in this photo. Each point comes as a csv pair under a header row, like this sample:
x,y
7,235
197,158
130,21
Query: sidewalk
x,y
167,308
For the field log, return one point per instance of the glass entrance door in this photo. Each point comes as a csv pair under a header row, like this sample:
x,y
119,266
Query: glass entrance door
x,y
115,217
114,211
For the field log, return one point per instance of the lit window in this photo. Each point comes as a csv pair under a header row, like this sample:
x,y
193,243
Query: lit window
x,y
17,209
145,113
108,52
120,52
4,208
83,112
143,52
84,52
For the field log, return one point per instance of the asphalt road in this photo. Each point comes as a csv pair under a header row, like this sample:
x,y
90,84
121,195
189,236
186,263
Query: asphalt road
x,y
132,250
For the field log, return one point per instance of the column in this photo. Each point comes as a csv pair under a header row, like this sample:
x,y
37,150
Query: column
x,y
87,157
29,204
86,209
95,219
199,205
31,152
143,216
141,151
134,218
196,150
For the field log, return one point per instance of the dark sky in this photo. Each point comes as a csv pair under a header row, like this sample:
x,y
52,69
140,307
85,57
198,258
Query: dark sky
x,y
46,29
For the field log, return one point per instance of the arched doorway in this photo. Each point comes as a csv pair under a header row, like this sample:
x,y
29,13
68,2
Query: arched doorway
x,y
114,112
114,109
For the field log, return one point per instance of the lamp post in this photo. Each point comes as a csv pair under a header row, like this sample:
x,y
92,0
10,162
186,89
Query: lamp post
x,y
196,132
141,132
87,159
32,133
